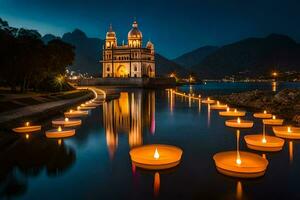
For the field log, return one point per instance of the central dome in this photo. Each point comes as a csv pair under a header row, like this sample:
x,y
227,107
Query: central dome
x,y
135,32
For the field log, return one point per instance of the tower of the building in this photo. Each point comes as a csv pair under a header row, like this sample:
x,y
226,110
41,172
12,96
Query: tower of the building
x,y
111,39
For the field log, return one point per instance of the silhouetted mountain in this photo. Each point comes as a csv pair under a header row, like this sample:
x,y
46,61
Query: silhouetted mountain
x,y
194,57
165,66
18,32
256,56
48,37
88,50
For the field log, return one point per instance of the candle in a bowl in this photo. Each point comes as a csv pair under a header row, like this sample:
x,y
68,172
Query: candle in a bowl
x,y
247,165
239,123
218,106
156,156
288,132
208,101
261,142
76,113
263,115
232,113
273,121
60,133
27,128
66,122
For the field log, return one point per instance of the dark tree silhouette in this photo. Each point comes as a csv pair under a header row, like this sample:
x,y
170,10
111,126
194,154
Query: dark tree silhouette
x,y
27,63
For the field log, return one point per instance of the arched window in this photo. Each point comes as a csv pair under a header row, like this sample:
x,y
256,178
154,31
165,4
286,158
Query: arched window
x,y
135,68
107,69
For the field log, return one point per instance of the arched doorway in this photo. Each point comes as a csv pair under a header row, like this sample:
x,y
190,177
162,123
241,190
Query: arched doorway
x,y
149,71
122,71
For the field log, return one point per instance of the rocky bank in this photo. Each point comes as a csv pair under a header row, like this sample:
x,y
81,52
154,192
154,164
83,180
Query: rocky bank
x,y
285,103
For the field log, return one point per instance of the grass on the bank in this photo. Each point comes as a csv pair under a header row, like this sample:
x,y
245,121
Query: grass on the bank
x,y
11,104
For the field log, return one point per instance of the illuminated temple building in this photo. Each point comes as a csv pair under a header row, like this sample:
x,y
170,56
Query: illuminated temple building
x,y
128,60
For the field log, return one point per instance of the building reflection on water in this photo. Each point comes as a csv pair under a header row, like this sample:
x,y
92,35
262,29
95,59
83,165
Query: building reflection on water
x,y
132,113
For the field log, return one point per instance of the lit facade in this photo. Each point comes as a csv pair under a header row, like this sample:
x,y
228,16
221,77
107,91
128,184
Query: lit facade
x,y
128,60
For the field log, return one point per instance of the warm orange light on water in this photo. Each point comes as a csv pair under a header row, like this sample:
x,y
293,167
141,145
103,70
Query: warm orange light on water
x,y
156,184
239,190
27,136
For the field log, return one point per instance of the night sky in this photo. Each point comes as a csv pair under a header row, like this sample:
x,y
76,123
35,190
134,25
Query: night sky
x,y
175,26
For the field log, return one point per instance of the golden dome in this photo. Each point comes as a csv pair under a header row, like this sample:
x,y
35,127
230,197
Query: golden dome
x,y
135,33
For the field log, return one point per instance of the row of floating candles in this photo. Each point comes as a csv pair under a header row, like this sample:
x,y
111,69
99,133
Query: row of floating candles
x,y
62,124
253,165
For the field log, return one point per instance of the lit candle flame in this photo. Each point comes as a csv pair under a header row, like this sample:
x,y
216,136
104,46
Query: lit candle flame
x,y
27,124
78,107
227,109
238,120
27,136
273,117
264,140
235,110
71,111
289,129
218,103
265,112
156,154
66,119
238,161
59,129
208,98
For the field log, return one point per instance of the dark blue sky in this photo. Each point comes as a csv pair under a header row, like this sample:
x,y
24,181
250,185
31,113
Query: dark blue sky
x,y
175,26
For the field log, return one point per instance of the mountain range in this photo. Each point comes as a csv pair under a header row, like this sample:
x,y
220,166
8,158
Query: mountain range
x,y
252,57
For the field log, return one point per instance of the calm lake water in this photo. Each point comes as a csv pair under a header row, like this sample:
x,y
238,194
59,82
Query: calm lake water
x,y
95,163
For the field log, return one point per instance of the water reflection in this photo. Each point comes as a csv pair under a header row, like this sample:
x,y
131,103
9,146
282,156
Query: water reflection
x,y
239,190
25,158
291,151
129,115
156,184
274,86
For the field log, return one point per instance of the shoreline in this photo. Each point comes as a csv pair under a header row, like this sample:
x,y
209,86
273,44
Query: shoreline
x,y
285,103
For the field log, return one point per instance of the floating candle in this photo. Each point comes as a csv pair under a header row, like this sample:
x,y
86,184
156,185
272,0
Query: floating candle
x,y
85,107
76,113
27,128
60,133
263,142
273,122
249,165
263,115
156,156
66,122
287,132
232,113
208,101
238,123
219,106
